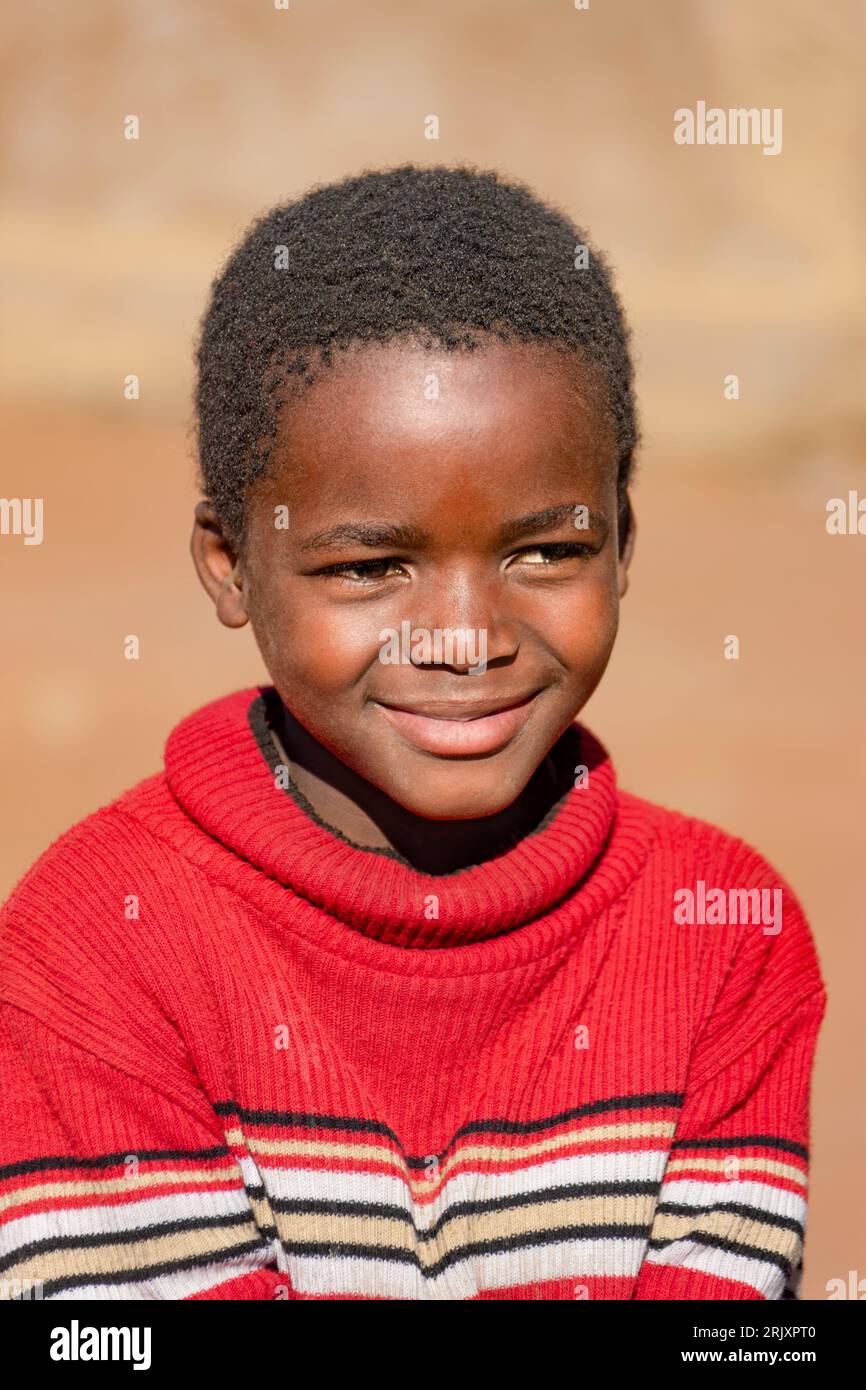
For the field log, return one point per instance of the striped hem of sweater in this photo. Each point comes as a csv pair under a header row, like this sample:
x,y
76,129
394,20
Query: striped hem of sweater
x,y
586,1198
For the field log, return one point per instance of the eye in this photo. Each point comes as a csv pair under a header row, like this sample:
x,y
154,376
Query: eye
x,y
362,571
552,553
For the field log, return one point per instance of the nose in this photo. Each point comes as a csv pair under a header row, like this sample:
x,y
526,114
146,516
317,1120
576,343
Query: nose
x,y
467,622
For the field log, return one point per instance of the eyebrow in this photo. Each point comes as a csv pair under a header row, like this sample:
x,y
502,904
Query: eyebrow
x,y
549,520
375,535
379,535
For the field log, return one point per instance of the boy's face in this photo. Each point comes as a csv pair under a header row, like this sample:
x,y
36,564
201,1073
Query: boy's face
x,y
463,505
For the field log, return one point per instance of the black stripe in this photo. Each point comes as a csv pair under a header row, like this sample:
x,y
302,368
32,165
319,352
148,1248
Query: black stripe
x,y
744,1141
37,1165
556,1236
310,1120
661,1100
302,1119
297,1206
71,1281
130,1236
787,1223
732,1247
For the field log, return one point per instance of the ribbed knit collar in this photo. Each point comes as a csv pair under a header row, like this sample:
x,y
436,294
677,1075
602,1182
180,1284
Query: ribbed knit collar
x,y
221,767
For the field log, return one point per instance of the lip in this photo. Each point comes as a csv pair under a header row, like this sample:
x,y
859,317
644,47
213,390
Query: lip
x,y
460,728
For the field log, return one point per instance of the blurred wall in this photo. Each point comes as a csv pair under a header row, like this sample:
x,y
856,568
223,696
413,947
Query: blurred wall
x,y
729,261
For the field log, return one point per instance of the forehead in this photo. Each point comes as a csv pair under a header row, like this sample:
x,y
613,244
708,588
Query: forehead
x,y
401,419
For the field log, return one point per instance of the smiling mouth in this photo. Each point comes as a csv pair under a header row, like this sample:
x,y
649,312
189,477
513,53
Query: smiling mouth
x,y
460,728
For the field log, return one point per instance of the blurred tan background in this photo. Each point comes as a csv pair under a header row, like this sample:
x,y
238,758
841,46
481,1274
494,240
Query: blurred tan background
x,y
729,261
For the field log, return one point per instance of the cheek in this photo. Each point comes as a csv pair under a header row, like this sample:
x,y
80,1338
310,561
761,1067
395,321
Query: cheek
x,y
325,647
579,625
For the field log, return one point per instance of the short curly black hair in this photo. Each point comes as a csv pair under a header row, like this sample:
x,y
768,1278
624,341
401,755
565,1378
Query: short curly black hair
x,y
439,254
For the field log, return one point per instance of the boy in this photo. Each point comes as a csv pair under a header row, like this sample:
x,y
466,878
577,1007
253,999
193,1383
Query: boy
x,y
383,989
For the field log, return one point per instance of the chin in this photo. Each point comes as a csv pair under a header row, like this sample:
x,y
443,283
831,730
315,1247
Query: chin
x,y
460,800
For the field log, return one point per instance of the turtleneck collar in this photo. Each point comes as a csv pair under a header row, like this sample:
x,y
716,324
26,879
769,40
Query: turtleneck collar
x,y
224,768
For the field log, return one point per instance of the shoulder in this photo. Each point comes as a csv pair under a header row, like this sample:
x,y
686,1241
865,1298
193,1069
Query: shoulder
x,y
74,924
88,937
716,889
92,858
689,844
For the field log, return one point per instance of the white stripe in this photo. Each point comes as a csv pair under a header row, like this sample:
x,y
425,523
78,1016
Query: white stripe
x,y
133,1216
577,1260
768,1279
778,1201
179,1284
250,1171
645,1165
389,1190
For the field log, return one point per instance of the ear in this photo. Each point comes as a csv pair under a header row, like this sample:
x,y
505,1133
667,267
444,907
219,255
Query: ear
x,y
216,561
626,523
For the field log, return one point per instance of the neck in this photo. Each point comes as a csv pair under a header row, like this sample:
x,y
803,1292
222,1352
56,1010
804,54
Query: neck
x,y
365,815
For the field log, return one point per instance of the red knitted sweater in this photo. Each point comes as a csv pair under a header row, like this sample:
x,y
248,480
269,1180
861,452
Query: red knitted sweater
x,y
241,1057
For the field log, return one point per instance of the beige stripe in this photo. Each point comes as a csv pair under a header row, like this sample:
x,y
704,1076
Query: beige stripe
x,y
44,1191
89,1262
501,1154
310,1149
261,1210
488,1153
728,1225
511,1222
719,1165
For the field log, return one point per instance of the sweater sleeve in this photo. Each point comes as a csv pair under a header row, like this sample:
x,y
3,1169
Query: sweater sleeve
x,y
730,1219
118,1178
110,1189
